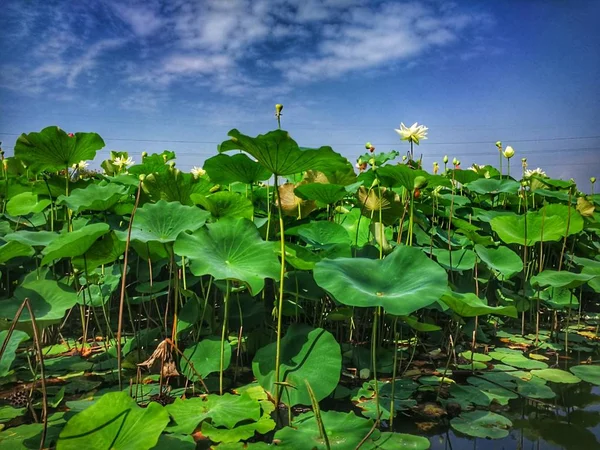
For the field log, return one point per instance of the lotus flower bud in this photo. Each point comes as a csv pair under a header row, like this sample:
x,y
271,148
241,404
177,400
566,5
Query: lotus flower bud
x,y
142,177
509,152
172,164
592,180
499,145
420,182
404,157
454,161
445,159
70,135
144,154
278,108
368,145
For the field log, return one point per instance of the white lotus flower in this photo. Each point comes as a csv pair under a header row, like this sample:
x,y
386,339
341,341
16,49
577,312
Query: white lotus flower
x,y
123,162
414,134
80,165
197,171
537,172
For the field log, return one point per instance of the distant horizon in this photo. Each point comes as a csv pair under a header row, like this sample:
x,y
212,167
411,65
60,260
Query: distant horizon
x,y
178,76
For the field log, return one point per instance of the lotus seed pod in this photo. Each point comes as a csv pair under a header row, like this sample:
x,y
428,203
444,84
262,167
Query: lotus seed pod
x,y
592,180
499,144
368,145
144,154
420,182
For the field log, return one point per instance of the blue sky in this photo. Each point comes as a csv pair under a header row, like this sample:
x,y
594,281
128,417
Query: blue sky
x,y
179,74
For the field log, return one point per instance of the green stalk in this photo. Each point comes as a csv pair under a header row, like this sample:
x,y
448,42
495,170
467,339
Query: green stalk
x,y
394,373
223,333
374,358
280,302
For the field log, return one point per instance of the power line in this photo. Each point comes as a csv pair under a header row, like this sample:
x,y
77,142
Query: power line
x,y
345,145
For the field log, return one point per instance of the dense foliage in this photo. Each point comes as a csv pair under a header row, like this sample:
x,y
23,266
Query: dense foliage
x,y
277,298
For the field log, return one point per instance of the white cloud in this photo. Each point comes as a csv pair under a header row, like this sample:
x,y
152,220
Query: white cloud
x,y
142,20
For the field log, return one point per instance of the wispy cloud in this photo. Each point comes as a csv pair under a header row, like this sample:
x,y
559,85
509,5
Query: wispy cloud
x,y
233,47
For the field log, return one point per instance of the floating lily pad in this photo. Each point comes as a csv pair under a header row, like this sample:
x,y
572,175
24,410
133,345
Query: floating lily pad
x,y
556,376
205,357
483,424
588,373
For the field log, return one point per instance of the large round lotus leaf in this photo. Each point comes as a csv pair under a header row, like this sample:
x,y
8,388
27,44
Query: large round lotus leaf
x,y
562,279
556,376
590,374
164,221
27,437
105,250
357,227
469,305
402,283
534,390
395,441
321,234
74,243
205,356
225,169
9,352
223,410
572,219
280,154
154,163
344,432
493,186
39,238
502,260
463,259
511,228
14,249
114,422
240,432
173,185
230,250
521,362
307,354
49,301
483,424
321,192
399,175
53,149
26,203
225,204
94,197
175,441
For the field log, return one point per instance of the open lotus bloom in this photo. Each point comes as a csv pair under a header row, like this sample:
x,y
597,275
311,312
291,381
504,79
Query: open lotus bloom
x,y
537,172
414,133
197,171
123,162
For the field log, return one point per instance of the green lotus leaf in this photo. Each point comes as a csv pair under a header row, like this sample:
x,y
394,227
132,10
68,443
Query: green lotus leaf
x,y
476,356
225,205
175,441
463,176
588,373
52,149
321,234
394,441
14,249
94,197
9,352
230,249
28,437
74,243
225,169
306,354
8,413
467,396
572,219
49,301
224,410
164,221
463,259
40,238
175,186
534,390
327,194
493,186
402,283
501,259
469,305
556,376
240,432
483,424
344,432
26,203
154,163
559,298
114,421
562,279
399,175
280,154
205,356
357,227
105,250
521,362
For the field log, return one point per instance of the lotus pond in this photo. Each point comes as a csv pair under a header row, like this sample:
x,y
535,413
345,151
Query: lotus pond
x,y
276,298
